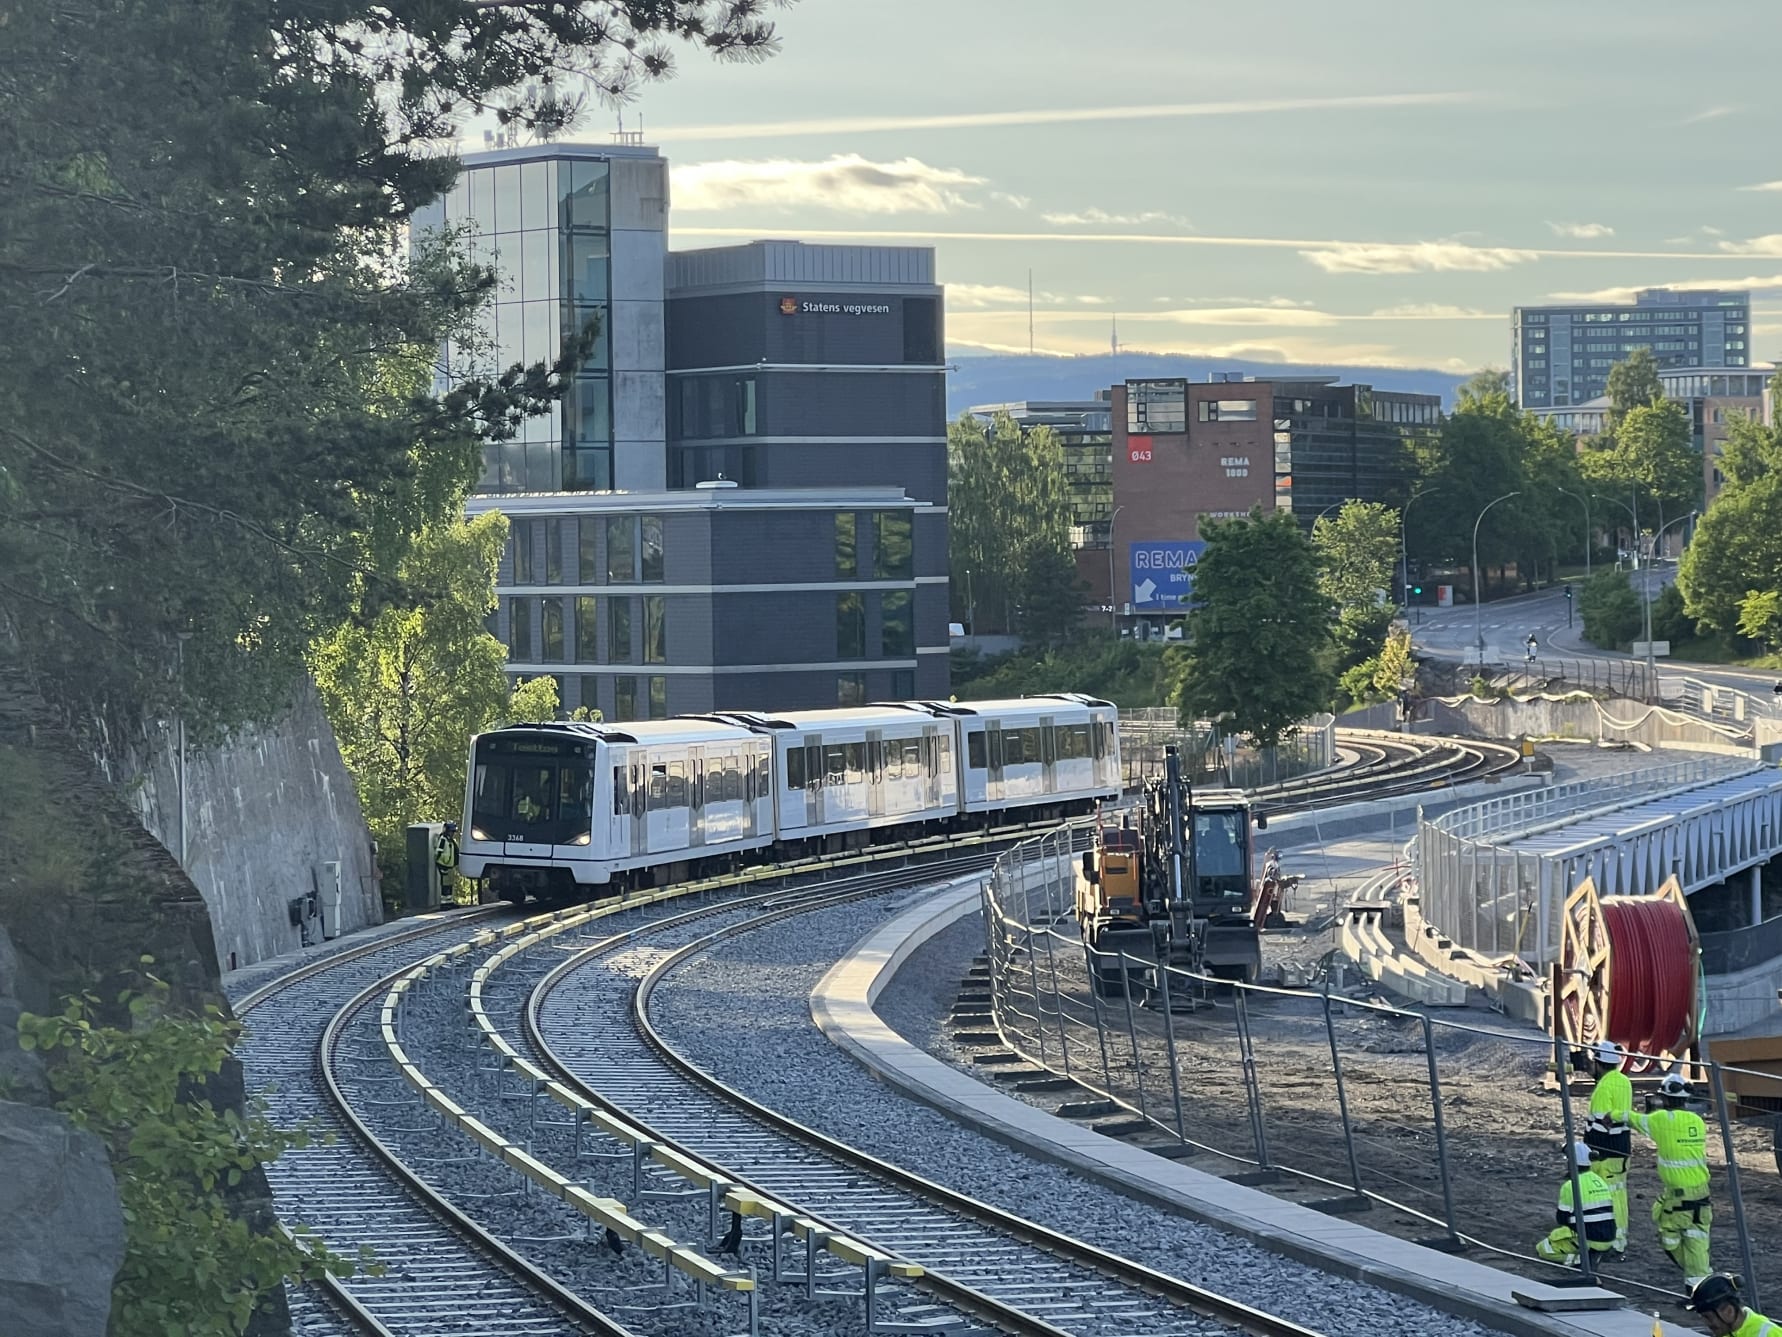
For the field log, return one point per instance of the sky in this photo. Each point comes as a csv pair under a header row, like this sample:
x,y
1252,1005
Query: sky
x,y
1370,182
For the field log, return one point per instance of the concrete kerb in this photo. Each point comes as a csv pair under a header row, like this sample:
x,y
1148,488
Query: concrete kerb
x,y
842,1007
1327,820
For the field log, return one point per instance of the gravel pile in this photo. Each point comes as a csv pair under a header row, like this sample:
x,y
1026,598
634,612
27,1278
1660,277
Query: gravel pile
x,y
742,1011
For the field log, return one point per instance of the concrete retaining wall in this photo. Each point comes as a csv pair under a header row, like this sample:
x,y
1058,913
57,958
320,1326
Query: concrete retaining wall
x,y
1578,716
268,813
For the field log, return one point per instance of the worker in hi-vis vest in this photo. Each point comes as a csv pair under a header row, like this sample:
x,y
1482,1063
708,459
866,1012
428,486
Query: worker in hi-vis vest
x,y
1594,1222
1716,1299
1682,1211
445,859
1609,1130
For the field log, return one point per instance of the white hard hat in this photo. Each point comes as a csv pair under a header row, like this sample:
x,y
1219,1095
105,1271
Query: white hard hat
x,y
1674,1085
1609,1053
1581,1155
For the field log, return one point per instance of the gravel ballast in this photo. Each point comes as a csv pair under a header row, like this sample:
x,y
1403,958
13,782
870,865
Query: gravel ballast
x,y
742,1011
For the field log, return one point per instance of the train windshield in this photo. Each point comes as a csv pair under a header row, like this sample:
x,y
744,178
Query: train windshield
x,y
538,790
1221,859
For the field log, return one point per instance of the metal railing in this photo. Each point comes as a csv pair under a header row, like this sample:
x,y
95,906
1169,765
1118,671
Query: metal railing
x,y
1528,809
1445,1121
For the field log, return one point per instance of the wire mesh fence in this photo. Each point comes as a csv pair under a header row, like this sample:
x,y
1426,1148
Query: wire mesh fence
x,y
1214,756
1436,1128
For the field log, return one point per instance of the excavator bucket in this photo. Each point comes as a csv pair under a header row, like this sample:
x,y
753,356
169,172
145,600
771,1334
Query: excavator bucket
x,y
1231,951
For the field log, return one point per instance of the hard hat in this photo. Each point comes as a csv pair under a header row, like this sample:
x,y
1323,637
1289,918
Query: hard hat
x,y
1581,1155
1712,1292
451,828
1608,1053
1673,1085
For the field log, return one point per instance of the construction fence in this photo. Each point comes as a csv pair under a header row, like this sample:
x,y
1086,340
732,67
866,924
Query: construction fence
x,y
1213,756
1441,1128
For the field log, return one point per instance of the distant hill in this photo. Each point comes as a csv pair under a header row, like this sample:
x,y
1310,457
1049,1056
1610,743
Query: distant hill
x,y
999,378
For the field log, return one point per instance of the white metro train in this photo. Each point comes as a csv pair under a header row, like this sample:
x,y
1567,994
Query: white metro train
x,y
550,808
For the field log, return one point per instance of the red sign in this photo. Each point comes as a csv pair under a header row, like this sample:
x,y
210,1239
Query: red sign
x,y
1138,449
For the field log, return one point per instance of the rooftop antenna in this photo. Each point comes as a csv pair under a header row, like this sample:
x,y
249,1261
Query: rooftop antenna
x,y
1030,313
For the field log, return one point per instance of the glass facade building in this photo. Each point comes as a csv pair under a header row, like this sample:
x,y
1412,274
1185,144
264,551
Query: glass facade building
x,y
1562,355
571,229
1085,431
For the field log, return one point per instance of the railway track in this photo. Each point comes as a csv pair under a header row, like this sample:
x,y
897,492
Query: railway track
x,y
588,1021
1387,766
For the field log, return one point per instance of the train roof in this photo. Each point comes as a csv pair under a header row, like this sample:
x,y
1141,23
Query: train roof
x,y
683,729
1020,705
856,717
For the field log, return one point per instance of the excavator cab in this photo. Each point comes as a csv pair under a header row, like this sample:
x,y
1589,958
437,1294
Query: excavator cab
x,y
1221,883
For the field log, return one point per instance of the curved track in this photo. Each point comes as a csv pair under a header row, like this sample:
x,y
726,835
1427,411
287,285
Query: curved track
x,y
586,1021
1386,765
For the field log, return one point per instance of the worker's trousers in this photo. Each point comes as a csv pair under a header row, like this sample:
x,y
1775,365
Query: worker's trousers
x,y
1683,1225
1560,1245
1613,1169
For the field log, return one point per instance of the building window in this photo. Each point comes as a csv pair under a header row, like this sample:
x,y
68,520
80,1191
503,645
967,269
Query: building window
x,y
847,554
1157,406
556,538
745,406
850,689
625,698
897,625
587,629
621,550
892,549
1228,410
850,626
589,688
651,547
618,631
658,698
550,625
519,630
655,629
587,550
903,685
525,572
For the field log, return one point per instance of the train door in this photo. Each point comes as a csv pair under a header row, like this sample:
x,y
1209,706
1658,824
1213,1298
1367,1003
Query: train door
x,y
640,831
875,773
696,796
617,839
993,786
1048,756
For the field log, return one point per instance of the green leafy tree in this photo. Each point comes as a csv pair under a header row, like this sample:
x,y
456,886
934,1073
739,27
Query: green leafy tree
x,y
190,1265
1670,620
1357,550
1760,617
1610,609
1737,548
1633,383
1009,513
1257,632
406,689
1396,667
1751,449
1484,384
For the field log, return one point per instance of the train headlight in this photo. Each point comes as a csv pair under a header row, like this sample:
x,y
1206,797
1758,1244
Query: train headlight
x,y
477,833
586,838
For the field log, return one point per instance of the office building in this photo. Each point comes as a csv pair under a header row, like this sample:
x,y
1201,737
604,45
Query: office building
x,y
1185,452
766,422
1562,355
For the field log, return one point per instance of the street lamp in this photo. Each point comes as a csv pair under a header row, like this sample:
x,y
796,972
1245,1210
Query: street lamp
x,y
1113,603
1478,621
1585,502
1404,552
1646,589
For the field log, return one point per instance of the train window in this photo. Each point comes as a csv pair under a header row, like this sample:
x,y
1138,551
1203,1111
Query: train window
x,y
621,798
974,749
835,765
943,755
795,778
912,759
677,784
658,787
1012,755
575,795
761,790
856,763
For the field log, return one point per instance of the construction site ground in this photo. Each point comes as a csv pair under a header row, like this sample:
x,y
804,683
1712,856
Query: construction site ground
x,y
1502,1117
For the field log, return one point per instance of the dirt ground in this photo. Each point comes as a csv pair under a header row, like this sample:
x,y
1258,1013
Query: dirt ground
x,y
1502,1119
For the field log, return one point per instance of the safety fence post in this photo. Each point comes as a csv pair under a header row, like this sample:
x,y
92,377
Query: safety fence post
x,y
1169,1046
1058,1002
1252,1087
1435,1103
1336,1064
1718,1084
1101,1029
1138,1062
1560,1067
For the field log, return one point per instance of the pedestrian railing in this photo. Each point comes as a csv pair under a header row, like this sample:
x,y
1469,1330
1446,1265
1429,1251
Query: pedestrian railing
x,y
1457,1124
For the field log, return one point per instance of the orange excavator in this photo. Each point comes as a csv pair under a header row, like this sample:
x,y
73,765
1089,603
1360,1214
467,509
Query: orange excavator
x,y
1178,887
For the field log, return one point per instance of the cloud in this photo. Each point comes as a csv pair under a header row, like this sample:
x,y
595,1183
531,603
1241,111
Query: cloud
x,y
1582,231
1101,217
1378,257
1764,185
1766,245
855,125
1013,201
1709,114
985,296
845,182
1283,317
1432,311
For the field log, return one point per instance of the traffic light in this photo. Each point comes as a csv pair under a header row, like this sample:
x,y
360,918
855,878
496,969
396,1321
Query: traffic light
x,y
1417,591
1568,593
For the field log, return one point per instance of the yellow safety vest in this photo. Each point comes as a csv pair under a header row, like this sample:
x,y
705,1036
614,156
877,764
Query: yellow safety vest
x,y
1681,1139
1598,1226
445,854
1756,1325
1611,1112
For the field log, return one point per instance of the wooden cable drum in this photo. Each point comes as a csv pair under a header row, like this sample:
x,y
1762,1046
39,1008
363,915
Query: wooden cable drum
x,y
1629,971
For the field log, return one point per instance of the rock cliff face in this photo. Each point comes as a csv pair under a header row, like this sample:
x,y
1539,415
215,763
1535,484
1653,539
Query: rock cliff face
x,y
62,1233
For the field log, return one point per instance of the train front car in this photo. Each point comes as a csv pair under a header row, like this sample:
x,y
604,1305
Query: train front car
x,y
1035,757
564,808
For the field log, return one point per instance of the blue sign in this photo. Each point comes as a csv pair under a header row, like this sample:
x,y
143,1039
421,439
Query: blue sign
x,y
1163,574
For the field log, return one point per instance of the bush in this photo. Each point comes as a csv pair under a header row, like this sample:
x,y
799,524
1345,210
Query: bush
x,y
1669,621
1128,673
192,1264
1610,610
